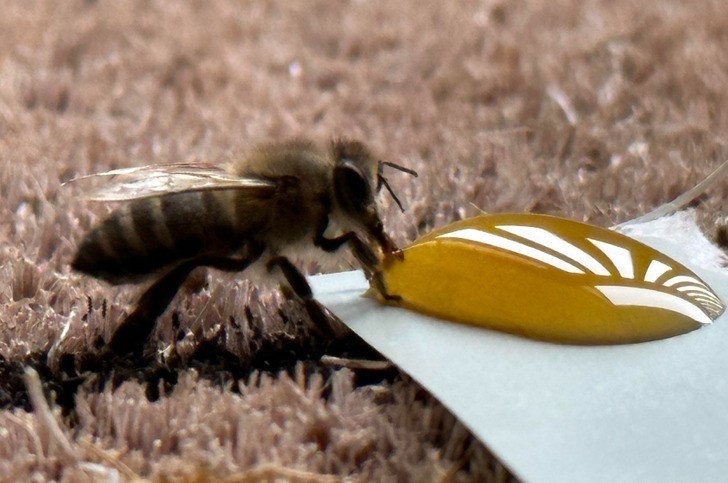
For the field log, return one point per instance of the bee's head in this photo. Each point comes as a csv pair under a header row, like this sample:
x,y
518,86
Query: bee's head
x,y
357,179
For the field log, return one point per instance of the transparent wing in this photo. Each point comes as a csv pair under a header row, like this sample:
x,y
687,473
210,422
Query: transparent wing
x,y
157,180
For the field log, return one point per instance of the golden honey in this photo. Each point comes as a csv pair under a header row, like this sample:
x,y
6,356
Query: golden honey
x,y
550,278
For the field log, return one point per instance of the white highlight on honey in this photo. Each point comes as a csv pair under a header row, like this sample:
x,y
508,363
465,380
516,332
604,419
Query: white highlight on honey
x,y
645,297
656,270
490,239
683,279
708,302
620,257
696,288
549,240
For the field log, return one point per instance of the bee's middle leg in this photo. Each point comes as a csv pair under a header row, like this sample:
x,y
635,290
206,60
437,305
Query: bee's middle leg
x,y
319,314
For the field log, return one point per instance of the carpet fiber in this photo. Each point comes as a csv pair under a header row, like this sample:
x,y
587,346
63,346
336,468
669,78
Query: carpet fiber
x,y
594,110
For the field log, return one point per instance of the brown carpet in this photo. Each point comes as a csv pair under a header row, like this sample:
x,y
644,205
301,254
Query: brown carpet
x,y
596,110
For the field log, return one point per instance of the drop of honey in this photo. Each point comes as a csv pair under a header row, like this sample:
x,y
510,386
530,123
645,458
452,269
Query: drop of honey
x,y
552,279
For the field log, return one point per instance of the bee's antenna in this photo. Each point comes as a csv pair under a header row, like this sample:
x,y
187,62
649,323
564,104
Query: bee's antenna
x,y
409,171
382,181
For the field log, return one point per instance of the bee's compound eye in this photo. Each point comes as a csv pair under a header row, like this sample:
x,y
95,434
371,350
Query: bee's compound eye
x,y
352,189
552,279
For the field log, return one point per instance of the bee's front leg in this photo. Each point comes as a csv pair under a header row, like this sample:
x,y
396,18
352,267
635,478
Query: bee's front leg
x,y
368,259
372,268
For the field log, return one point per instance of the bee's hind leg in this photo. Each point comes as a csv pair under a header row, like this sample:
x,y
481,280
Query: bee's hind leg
x,y
131,335
134,330
320,315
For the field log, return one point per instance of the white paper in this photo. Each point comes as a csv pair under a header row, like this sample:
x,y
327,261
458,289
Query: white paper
x,y
655,411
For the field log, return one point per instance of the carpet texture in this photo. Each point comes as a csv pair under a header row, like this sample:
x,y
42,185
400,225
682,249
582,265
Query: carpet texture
x,y
594,110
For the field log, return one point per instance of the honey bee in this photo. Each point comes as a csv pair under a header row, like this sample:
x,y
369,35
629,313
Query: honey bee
x,y
188,215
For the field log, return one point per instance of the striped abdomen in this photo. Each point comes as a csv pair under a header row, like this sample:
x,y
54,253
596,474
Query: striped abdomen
x,y
148,235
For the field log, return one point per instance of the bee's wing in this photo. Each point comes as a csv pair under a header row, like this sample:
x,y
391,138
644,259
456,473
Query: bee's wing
x,y
156,180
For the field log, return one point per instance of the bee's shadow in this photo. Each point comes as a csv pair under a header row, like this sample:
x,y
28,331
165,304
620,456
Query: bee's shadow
x,y
94,369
